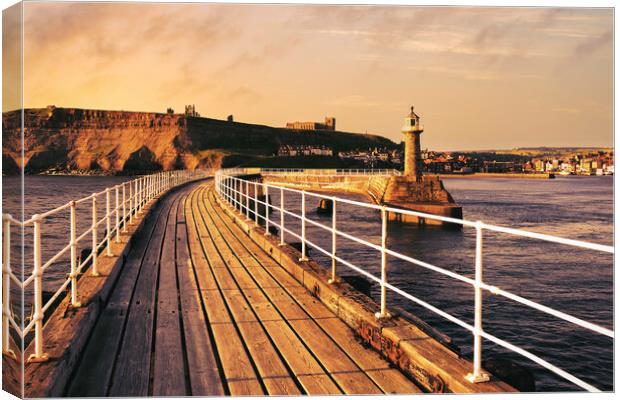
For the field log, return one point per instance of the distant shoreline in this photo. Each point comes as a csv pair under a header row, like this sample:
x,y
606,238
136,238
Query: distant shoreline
x,y
499,175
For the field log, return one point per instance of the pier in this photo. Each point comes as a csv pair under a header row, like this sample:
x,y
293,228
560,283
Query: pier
x,y
193,292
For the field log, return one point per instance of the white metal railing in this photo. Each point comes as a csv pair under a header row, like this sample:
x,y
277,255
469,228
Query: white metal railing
x,y
130,198
236,191
312,172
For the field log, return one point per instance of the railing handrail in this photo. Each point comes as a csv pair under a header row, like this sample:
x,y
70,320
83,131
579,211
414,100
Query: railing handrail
x,y
142,190
316,171
226,187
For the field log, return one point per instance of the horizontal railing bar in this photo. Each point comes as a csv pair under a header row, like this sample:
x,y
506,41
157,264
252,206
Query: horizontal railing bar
x,y
48,213
549,238
430,216
85,261
15,279
16,327
28,327
431,267
13,220
539,361
55,295
83,235
28,281
55,257
83,199
426,305
549,310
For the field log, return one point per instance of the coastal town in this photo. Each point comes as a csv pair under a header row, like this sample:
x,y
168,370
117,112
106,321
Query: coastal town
x,y
556,161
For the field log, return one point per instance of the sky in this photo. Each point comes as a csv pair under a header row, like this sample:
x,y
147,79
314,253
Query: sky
x,y
480,78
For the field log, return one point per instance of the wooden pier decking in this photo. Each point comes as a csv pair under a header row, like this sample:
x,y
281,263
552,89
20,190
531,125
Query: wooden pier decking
x,y
200,309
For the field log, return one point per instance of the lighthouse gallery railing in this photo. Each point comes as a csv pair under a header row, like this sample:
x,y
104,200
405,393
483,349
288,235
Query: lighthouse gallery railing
x,y
236,191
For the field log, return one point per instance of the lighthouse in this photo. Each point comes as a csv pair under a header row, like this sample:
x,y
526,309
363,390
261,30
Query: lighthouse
x,y
412,130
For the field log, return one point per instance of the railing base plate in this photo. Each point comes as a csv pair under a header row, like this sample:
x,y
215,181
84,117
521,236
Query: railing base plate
x,y
9,353
383,316
34,359
477,379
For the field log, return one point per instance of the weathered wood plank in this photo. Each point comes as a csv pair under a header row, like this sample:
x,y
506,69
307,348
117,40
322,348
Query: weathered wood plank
x,y
306,368
133,364
272,370
204,375
387,379
169,364
236,364
92,378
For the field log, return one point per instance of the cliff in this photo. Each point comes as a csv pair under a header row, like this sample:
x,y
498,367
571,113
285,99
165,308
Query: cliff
x,y
125,142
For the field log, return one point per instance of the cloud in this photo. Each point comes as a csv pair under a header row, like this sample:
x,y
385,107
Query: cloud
x,y
591,45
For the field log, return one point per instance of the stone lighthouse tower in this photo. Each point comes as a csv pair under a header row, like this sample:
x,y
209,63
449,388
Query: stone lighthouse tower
x,y
413,160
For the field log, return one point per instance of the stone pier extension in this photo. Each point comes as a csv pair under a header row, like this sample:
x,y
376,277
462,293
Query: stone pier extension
x,y
427,195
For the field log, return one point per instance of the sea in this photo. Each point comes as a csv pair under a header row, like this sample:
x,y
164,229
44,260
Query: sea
x,y
575,281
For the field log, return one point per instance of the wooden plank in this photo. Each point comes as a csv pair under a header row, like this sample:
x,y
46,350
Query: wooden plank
x,y
204,374
133,364
272,370
237,368
169,364
306,368
388,379
94,371
419,356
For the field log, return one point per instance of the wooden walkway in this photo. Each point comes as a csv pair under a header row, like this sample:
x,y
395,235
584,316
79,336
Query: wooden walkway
x,y
199,309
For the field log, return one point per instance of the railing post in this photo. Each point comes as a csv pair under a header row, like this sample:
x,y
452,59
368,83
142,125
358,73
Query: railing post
x,y
141,191
383,313
238,204
138,185
303,226
266,209
124,210
281,216
6,285
73,243
131,202
38,355
118,211
247,200
94,237
478,376
333,278
256,203
107,223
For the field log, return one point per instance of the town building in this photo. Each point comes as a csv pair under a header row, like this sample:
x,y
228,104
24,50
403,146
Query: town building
x,y
329,125
304,150
190,111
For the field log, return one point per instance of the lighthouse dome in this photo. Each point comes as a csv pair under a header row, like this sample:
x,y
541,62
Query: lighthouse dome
x,y
412,122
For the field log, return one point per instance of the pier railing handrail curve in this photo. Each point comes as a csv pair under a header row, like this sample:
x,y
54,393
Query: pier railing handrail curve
x,y
227,187
130,198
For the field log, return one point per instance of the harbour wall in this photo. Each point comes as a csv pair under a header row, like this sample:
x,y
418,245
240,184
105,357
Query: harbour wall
x,y
426,196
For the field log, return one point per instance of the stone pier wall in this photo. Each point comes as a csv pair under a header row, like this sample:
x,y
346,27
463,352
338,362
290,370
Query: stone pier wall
x,y
427,196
